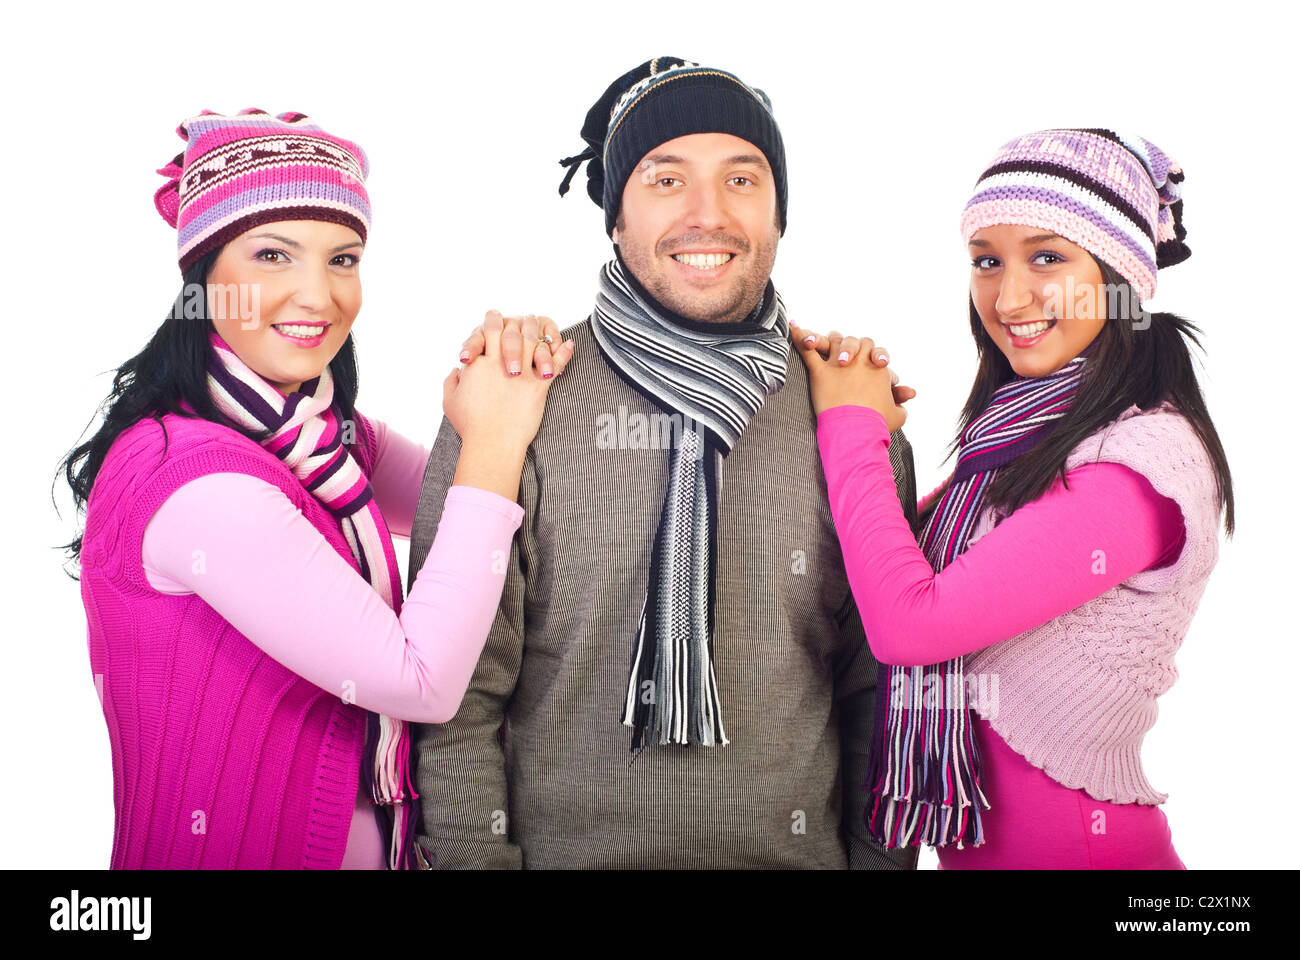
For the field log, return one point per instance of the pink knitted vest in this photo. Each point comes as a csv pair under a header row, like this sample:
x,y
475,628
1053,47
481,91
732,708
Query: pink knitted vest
x,y
1076,696
222,758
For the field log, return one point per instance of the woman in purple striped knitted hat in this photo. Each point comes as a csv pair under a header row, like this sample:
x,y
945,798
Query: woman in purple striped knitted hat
x,y
257,667
1027,626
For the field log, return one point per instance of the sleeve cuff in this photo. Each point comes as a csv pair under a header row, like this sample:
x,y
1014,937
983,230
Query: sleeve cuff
x,y
485,500
863,417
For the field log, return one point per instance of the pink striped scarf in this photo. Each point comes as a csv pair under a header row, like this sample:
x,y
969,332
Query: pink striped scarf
x,y
923,764
307,434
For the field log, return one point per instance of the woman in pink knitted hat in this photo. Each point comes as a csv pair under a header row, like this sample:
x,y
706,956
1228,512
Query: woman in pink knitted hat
x,y
1026,628
257,667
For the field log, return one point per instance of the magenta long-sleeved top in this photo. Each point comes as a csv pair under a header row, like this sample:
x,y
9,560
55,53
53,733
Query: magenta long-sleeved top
x,y
1037,564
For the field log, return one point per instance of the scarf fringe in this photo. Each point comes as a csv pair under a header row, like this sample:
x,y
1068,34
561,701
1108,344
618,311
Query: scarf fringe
x,y
923,768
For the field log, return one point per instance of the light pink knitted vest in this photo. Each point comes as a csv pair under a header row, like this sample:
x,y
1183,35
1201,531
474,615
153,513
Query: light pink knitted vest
x,y
222,757
1076,696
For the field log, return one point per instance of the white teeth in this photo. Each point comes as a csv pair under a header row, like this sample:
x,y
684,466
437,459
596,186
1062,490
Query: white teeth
x,y
1029,329
303,330
702,261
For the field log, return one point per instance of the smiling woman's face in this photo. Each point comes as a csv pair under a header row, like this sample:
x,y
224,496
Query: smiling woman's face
x,y
307,278
1038,295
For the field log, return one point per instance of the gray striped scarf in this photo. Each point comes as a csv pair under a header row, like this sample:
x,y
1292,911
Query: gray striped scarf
x,y
714,381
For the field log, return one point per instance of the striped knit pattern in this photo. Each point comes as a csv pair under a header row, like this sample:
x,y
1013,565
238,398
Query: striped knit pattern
x,y
557,788
237,172
307,436
1117,196
924,770
718,380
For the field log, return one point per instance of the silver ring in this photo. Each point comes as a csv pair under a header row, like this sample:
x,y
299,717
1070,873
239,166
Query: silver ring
x,y
546,339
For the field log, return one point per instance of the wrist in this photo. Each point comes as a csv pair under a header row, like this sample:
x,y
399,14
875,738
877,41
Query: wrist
x,y
490,467
852,411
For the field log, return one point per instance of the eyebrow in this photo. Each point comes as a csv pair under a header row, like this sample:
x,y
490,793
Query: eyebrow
x,y
294,245
757,159
1037,238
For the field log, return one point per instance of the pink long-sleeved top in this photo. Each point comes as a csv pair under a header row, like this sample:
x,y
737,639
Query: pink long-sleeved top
x,y
1031,568
299,601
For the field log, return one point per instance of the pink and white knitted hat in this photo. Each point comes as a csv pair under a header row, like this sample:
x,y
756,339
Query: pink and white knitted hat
x,y
239,171
1118,197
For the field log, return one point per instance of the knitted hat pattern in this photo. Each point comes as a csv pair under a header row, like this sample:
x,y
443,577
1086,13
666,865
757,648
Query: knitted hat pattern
x,y
1118,196
658,101
239,171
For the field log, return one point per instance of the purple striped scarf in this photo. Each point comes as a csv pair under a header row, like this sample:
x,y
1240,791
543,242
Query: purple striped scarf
x,y
307,435
923,767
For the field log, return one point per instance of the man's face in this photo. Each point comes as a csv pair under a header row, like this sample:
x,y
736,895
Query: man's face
x,y
698,226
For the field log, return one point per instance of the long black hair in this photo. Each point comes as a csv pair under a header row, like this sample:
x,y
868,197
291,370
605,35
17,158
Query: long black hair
x,y
173,367
1130,364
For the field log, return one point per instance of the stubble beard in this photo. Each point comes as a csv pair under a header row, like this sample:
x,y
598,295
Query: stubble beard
x,y
727,305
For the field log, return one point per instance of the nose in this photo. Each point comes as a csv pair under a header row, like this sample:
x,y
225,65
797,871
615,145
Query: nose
x,y
1014,294
314,292
707,209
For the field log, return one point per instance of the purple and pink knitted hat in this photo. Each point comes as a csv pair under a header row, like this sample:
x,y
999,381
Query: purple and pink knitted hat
x,y
1118,197
237,172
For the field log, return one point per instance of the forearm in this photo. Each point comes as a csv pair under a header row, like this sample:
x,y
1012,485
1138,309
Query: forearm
x,y
490,466
302,603
1036,565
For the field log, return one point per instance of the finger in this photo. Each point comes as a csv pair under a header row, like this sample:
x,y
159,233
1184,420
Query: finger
x,y
804,337
562,357
528,330
512,345
449,385
893,378
543,359
848,350
812,358
880,356
544,356
473,346
492,324
834,339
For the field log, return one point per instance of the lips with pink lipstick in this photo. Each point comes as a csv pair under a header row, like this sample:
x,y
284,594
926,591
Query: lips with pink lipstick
x,y
302,334
1030,333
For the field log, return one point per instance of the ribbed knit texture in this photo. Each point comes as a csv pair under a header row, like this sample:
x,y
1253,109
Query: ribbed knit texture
x,y
237,172
222,758
1117,196
793,666
1077,695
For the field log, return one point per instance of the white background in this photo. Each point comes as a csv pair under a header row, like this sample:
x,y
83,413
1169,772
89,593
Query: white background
x,y
888,117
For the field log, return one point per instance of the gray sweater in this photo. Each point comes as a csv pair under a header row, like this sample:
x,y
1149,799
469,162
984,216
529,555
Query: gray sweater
x,y
536,768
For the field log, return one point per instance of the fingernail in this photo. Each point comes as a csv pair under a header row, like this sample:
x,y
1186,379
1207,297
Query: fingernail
x,y
844,357
810,340
464,358
548,375
884,357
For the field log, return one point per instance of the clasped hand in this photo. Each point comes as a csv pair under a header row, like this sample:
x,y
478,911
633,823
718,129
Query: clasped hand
x,y
851,370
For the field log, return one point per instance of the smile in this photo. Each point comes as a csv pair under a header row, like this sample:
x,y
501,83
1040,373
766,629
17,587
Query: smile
x,y
304,334
1030,329
703,261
